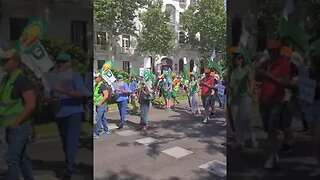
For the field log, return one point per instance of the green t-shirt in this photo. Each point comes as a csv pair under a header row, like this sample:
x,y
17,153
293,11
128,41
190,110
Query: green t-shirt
x,y
192,88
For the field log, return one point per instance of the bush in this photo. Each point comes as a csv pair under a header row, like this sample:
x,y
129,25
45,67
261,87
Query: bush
x,y
54,47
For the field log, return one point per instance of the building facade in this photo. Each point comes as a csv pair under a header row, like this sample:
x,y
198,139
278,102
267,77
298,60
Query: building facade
x,y
183,56
68,20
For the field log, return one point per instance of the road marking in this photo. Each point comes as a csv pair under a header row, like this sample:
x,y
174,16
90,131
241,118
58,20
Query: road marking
x,y
126,133
177,152
147,141
215,167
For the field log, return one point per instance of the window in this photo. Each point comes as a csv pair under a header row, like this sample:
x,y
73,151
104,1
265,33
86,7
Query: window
x,y
170,8
79,34
101,39
181,65
126,41
191,65
182,37
126,66
17,26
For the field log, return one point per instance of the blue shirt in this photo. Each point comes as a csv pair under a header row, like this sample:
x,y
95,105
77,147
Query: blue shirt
x,y
133,86
167,83
122,96
68,105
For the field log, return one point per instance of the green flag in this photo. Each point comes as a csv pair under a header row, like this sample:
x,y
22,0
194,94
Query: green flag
x,y
214,65
289,29
133,72
242,50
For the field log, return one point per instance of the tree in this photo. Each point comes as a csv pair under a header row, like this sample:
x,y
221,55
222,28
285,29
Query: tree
x,y
157,38
117,17
207,17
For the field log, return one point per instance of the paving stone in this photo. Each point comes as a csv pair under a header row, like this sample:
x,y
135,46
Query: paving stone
x,y
177,152
126,133
112,126
215,167
147,141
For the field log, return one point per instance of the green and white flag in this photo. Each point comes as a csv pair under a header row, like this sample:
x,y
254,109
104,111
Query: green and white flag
x,y
33,54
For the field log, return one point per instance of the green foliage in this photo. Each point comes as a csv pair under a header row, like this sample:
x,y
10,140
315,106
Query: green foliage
x,y
54,47
208,17
157,37
126,76
117,16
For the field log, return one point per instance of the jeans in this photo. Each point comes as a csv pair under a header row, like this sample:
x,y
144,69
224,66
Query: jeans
x,y
271,116
144,108
101,119
122,107
206,102
70,130
241,113
194,102
17,159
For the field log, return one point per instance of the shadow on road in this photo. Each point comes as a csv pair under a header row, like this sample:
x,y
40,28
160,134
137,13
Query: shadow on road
x,y
124,174
183,126
57,167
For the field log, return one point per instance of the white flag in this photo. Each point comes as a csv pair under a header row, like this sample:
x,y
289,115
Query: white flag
x,y
288,9
244,35
38,61
185,60
147,63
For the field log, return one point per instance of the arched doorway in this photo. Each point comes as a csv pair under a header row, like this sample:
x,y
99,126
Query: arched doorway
x,y
166,64
191,65
181,65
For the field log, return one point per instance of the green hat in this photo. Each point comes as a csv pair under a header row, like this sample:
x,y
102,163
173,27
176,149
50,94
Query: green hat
x,y
63,57
120,76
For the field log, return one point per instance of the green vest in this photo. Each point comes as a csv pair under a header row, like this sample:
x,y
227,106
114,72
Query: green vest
x,y
97,97
10,109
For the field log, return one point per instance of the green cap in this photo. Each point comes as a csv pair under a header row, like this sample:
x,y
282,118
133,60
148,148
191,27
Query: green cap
x,y
120,76
63,56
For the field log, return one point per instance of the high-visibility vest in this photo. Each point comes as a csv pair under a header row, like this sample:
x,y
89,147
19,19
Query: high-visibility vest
x,y
97,96
10,108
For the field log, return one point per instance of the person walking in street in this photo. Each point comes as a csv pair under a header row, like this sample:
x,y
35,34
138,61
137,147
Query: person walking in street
x,y
312,113
207,84
193,89
144,100
134,95
121,90
70,112
101,95
175,89
273,75
17,103
167,90
242,85
213,97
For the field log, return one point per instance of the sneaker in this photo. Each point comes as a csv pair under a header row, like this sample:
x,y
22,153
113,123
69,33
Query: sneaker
x,y
212,114
205,120
120,126
315,173
95,136
144,128
105,133
271,162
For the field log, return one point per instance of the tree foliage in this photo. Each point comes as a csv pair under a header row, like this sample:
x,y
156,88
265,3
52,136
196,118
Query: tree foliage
x,y
207,17
117,16
157,37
